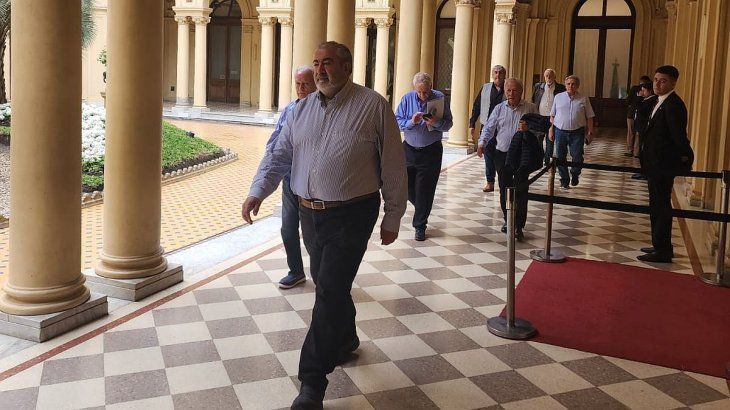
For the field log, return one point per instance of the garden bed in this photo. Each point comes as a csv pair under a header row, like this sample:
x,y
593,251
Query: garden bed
x,y
180,150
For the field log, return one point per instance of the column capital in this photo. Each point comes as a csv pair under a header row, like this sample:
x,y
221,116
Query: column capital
x,y
504,17
362,22
183,20
286,21
247,28
200,20
471,3
267,21
383,22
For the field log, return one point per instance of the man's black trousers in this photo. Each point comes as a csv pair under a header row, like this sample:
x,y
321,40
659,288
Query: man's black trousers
x,y
506,179
336,240
424,168
660,204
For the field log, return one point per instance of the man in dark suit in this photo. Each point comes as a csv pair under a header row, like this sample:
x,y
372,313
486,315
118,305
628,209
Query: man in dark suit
x,y
543,96
665,153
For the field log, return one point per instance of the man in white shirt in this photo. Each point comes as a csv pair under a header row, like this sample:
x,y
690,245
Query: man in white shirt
x,y
571,115
501,126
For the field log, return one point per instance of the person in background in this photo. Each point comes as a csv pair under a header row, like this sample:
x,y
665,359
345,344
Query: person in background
x,y
633,101
572,119
422,144
641,118
304,82
543,95
490,95
499,130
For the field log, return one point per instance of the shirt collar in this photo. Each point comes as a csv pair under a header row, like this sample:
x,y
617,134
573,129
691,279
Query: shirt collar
x,y
665,96
519,105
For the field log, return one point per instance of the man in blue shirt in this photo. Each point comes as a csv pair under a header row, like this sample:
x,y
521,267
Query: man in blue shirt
x,y
423,133
304,81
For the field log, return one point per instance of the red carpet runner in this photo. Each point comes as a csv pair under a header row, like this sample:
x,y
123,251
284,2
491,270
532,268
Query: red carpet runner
x,y
645,315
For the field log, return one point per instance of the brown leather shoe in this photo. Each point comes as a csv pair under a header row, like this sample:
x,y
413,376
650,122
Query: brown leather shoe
x,y
489,187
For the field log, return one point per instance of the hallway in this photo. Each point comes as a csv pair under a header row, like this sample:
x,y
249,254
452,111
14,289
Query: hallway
x,y
231,339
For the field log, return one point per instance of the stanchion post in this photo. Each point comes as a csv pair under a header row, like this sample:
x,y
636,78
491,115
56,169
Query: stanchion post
x,y
547,254
719,278
511,327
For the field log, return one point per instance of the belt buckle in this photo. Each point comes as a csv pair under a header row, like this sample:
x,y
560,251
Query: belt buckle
x,y
318,205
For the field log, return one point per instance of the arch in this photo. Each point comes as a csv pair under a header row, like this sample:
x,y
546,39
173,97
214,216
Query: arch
x,y
642,11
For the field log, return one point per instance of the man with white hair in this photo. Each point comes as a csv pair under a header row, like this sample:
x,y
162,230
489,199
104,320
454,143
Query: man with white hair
x,y
491,95
543,95
497,135
304,83
423,133
572,118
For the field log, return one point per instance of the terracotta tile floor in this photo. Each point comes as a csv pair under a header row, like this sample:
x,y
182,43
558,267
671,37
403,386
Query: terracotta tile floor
x,y
195,208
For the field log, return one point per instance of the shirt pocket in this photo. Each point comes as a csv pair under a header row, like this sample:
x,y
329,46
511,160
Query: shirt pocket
x,y
354,142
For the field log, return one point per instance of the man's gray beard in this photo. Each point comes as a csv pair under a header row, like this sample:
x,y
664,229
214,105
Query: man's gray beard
x,y
328,89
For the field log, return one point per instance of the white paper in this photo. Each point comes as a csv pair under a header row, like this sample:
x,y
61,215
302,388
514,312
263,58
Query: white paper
x,y
436,109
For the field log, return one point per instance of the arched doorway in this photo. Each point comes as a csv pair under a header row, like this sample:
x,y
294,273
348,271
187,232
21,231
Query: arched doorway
x,y
444,54
224,52
601,54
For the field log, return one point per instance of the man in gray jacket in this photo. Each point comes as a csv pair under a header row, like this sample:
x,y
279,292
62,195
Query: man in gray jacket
x,y
489,97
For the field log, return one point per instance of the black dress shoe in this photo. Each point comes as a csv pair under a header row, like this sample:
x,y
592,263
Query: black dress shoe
x,y
504,228
520,236
420,234
655,257
309,398
652,250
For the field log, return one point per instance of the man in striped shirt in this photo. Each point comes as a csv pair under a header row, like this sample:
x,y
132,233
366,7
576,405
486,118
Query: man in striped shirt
x,y
343,147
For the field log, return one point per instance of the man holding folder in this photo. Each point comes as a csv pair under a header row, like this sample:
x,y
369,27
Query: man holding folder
x,y
423,116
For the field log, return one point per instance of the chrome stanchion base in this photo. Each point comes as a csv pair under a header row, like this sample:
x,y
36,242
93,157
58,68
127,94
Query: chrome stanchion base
x,y
521,330
713,279
553,257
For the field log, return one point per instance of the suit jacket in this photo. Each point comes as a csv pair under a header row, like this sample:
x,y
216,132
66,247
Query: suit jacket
x,y
538,91
666,149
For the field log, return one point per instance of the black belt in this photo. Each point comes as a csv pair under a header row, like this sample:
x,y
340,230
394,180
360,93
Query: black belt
x,y
319,205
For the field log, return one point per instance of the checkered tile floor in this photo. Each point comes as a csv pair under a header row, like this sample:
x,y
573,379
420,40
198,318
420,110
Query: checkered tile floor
x,y
422,306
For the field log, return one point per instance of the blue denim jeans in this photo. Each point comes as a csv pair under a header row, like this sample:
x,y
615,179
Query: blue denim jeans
x,y
290,227
573,141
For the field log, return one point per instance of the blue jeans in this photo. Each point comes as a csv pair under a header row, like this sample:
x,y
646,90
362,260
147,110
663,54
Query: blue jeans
x,y
490,169
290,227
573,141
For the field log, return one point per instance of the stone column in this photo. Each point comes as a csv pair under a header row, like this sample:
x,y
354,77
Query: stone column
x,y
502,35
267,63
428,36
45,252
132,183
360,57
285,61
409,47
381,56
460,73
183,59
340,18
309,34
201,62
671,6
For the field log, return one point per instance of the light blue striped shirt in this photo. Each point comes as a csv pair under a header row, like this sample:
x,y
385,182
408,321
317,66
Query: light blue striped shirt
x,y
280,124
418,135
338,150
504,122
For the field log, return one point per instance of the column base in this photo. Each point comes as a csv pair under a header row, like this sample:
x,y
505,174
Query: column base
x,y
43,327
457,149
183,102
134,289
